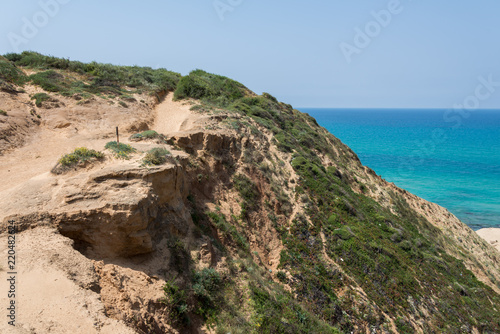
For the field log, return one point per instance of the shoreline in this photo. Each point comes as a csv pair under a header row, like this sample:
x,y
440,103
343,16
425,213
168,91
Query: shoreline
x,y
491,235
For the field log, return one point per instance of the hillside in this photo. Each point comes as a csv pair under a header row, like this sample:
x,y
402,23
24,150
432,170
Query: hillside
x,y
220,211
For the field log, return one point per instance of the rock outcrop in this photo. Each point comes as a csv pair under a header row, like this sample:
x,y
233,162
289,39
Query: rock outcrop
x,y
111,212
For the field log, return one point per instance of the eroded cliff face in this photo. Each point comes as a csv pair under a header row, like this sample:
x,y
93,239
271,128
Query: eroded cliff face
x,y
110,212
298,237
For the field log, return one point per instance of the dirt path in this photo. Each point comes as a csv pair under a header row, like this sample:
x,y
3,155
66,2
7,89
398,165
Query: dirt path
x,y
174,116
39,156
47,145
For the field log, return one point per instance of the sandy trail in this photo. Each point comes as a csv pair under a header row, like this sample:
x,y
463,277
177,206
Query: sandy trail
x,y
174,116
46,146
40,155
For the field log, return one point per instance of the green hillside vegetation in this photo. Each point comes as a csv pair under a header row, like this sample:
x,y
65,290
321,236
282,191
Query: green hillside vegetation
x,y
40,98
68,77
210,88
10,73
398,260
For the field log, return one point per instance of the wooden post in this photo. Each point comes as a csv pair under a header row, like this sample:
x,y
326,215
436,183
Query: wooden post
x,y
117,136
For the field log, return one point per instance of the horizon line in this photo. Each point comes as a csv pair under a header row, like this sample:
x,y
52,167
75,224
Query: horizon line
x,y
396,108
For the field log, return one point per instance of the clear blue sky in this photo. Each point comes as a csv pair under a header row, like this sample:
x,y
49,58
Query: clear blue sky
x,y
429,55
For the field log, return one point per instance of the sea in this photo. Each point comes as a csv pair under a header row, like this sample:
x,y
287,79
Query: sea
x,y
449,157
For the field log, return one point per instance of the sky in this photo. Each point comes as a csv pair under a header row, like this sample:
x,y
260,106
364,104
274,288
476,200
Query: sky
x,y
315,53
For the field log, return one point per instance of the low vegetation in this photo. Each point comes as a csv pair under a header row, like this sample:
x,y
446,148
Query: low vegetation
x,y
10,73
40,98
69,78
210,88
228,231
147,135
156,156
79,155
176,300
3,112
243,300
248,193
120,150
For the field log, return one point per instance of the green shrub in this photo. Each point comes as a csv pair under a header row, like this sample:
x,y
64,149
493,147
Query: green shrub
x,y
156,156
123,104
10,73
40,98
343,233
212,88
281,275
176,299
149,134
3,112
404,327
227,230
260,108
207,284
248,192
333,220
120,150
51,81
406,245
270,97
80,154
269,106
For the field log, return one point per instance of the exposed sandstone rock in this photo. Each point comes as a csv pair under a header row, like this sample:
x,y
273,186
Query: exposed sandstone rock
x,y
112,212
195,141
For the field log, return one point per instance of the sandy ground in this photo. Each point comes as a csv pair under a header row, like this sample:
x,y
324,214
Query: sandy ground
x,y
50,293
173,116
492,235
40,155
53,280
45,147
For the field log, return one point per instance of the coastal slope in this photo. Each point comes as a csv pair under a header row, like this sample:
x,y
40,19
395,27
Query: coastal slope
x,y
219,210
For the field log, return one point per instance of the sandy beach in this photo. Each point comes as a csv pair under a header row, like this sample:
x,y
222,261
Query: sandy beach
x,y
492,235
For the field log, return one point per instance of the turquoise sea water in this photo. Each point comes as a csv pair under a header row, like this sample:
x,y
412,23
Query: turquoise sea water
x,y
446,157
